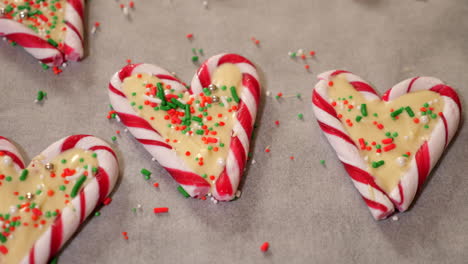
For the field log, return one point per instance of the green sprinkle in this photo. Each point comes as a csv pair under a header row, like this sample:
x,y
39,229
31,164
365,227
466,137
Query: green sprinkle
x,y
54,261
434,116
77,186
44,66
52,42
97,214
395,134
409,111
194,58
388,134
8,178
94,155
205,175
114,138
183,192
221,145
378,146
426,126
223,87
199,132
81,160
234,94
364,109
8,8
300,116
377,164
405,155
293,55
298,96
426,105
94,169
38,192
397,112
160,93
322,162
358,118
63,161
62,187
145,172
24,175
3,239
376,115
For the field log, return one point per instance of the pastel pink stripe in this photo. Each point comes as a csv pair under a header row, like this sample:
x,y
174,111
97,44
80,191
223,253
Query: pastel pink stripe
x,y
187,178
363,87
118,92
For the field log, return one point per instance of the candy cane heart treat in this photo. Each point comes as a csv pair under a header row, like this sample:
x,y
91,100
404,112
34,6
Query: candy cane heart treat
x,y
201,134
43,204
387,145
50,30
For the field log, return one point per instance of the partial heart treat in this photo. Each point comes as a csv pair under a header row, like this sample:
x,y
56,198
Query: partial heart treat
x,y
42,205
50,30
200,134
387,145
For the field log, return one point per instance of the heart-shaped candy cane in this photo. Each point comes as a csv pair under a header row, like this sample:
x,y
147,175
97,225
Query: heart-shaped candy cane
x,y
42,205
200,135
387,145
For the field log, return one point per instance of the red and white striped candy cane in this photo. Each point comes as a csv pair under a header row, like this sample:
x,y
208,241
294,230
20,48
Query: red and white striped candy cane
x,y
227,183
39,47
380,203
100,186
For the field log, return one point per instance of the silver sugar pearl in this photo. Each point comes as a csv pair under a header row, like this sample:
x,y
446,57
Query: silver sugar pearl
x,y
49,166
212,87
29,196
215,99
23,14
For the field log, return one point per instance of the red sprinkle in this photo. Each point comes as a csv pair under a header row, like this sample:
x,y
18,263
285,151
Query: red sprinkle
x,y
277,123
330,83
265,246
3,250
387,140
161,210
389,147
189,36
156,185
362,143
107,201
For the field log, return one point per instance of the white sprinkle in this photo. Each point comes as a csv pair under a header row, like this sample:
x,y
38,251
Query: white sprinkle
x,y
126,130
215,201
268,93
254,161
93,30
7,160
424,119
401,161
13,209
366,158
138,206
238,193
395,218
77,174
221,162
125,11
152,99
405,137
300,52
205,4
